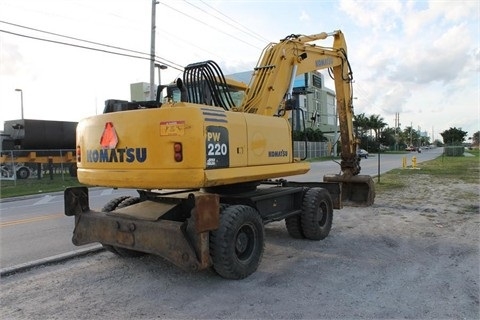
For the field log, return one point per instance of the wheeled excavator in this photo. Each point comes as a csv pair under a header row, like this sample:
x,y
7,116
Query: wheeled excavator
x,y
210,173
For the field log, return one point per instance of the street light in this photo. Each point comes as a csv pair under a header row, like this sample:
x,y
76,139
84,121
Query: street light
x,y
160,67
21,100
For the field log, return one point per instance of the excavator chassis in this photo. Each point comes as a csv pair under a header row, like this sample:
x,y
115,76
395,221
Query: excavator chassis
x,y
139,227
177,225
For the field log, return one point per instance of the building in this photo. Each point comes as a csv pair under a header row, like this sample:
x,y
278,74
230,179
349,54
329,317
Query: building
x,y
317,101
140,91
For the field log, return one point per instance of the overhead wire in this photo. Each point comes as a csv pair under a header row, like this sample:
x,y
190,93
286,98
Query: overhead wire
x,y
129,52
210,26
147,56
246,30
72,38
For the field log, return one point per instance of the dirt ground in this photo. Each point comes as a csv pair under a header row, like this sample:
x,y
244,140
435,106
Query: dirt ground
x,y
413,255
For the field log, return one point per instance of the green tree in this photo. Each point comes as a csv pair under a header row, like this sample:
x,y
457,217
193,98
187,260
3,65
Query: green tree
x,y
453,136
360,123
387,137
410,137
312,135
476,138
376,123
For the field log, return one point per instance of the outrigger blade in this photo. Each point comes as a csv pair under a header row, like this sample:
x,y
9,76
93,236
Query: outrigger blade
x,y
357,191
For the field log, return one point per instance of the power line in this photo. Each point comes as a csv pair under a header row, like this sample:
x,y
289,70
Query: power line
x,y
167,62
72,38
74,45
208,25
246,30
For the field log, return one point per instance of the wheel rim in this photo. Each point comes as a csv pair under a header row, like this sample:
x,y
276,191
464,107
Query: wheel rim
x,y
322,214
22,173
245,242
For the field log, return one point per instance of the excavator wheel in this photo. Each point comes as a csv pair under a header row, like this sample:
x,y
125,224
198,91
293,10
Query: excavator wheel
x,y
236,247
294,224
294,227
110,206
117,203
317,214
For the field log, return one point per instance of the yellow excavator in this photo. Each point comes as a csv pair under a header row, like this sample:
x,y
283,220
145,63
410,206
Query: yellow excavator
x,y
211,172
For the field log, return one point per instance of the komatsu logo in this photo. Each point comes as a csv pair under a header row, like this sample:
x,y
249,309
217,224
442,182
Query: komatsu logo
x,y
323,62
117,155
276,154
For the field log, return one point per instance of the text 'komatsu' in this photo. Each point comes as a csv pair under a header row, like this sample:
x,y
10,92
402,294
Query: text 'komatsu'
x,y
117,155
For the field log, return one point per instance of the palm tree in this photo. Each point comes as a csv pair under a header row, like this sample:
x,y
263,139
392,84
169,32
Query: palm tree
x,y
360,122
376,123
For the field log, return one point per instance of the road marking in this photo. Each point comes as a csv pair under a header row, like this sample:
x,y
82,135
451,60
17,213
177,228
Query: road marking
x,y
44,200
107,192
29,220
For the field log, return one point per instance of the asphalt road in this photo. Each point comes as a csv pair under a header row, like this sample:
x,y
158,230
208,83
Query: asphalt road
x,y
34,228
370,166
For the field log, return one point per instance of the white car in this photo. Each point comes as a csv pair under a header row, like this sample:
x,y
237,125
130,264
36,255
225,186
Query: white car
x,y
362,153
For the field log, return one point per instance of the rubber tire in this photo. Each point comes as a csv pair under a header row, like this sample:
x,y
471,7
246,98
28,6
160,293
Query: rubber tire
x,y
23,173
232,257
294,227
112,204
294,224
122,252
72,170
317,214
128,202
117,203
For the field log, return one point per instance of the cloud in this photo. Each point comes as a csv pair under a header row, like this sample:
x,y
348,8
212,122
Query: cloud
x,y
376,15
395,98
420,59
12,58
442,60
304,16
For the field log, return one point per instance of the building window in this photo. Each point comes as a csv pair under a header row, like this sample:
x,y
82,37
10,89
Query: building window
x,y
316,81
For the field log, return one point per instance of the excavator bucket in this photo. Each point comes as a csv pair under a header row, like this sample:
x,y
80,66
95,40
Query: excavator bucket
x,y
357,191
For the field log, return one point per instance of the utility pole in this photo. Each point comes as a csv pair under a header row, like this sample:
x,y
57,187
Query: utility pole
x,y
397,124
21,100
160,67
411,128
152,52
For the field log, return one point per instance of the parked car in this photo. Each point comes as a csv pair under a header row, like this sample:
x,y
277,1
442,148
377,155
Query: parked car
x,y
362,153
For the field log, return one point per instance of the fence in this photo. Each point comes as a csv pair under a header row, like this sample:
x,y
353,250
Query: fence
x,y
24,164
313,149
454,151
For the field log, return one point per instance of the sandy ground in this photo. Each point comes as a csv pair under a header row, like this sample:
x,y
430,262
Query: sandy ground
x,y
413,255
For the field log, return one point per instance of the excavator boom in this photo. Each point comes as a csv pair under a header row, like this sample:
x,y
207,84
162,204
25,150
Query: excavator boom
x,y
271,86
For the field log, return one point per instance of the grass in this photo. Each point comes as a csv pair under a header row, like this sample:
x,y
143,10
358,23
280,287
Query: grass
x,y
31,186
466,169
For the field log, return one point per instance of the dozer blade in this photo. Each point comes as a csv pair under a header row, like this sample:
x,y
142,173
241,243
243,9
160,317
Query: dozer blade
x,y
357,191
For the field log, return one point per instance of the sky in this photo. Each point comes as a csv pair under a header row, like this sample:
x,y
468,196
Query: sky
x,y
420,59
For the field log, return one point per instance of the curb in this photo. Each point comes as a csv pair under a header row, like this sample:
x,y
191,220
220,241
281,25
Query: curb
x,y
39,195
5,272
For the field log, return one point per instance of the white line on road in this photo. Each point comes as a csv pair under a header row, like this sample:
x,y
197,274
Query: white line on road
x,y
44,200
107,192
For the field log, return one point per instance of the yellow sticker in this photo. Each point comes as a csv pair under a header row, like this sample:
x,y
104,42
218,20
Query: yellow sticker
x,y
172,128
